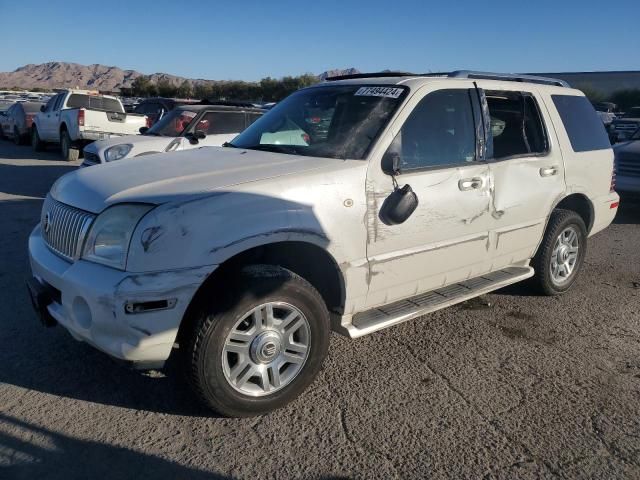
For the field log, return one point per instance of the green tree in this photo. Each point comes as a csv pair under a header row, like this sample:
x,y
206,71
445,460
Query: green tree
x,y
141,86
592,93
625,99
184,90
166,88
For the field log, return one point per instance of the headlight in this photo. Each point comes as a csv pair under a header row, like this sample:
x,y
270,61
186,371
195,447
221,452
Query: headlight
x,y
117,152
109,237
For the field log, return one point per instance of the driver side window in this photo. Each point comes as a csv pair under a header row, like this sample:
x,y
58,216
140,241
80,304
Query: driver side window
x,y
439,132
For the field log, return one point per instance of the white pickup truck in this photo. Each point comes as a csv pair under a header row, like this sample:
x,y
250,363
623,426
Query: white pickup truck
x,y
74,118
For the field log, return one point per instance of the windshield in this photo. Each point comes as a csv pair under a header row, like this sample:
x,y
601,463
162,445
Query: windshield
x,y
172,124
339,121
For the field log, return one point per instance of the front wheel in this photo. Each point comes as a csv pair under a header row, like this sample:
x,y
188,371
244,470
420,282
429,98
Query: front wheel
x,y
561,253
36,143
262,347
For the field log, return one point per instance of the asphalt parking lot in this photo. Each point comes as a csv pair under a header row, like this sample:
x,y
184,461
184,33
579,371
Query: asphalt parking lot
x,y
520,386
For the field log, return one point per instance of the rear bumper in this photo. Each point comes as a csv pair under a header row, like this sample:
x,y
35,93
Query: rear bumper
x,y
92,135
90,301
604,211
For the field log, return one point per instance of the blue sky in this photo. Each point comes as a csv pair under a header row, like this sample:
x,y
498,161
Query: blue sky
x,y
252,39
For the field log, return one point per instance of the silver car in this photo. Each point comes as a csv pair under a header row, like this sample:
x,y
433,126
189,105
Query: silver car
x,y
627,156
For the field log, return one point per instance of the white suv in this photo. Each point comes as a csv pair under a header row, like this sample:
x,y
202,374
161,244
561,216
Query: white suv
x,y
351,206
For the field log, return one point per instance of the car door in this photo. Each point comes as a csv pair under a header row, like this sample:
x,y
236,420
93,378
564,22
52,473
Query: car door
x,y
48,125
527,170
445,239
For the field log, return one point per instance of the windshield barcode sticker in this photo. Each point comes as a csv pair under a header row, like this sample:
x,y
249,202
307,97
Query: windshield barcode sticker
x,y
389,92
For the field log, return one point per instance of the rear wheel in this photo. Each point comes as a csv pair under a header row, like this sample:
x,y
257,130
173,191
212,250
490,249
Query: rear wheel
x,y
69,152
561,254
36,143
260,349
17,138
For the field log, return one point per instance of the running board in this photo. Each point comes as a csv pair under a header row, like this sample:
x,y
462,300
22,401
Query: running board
x,y
387,315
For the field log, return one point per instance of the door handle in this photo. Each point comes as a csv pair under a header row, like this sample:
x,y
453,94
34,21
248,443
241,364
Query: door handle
x,y
548,171
470,183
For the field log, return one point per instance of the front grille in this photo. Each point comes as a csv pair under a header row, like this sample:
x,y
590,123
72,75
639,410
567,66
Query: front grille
x,y
91,158
64,228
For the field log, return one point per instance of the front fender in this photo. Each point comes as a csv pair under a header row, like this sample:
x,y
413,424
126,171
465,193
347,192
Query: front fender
x,y
210,230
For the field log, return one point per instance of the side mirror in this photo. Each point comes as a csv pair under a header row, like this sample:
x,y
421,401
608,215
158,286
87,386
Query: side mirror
x,y
196,136
402,202
42,108
399,206
143,130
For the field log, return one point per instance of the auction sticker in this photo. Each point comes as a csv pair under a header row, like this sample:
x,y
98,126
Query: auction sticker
x,y
389,92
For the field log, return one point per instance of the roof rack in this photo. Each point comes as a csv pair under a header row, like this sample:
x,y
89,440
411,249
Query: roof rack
x,y
508,77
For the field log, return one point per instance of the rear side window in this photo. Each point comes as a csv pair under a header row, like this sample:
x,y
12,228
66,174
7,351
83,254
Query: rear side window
x,y
222,122
516,124
440,132
584,128
94,102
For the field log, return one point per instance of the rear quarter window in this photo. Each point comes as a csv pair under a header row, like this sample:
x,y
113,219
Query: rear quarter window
x,y
583,125
94,102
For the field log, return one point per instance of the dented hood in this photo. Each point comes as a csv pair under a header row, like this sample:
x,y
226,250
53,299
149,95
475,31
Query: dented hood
x,y
167,177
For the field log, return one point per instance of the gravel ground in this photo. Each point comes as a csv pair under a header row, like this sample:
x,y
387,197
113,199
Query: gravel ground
x,y
526,387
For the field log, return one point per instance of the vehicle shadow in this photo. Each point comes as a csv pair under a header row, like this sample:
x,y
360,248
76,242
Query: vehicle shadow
x,y
31,451
10,151
628,211
30,180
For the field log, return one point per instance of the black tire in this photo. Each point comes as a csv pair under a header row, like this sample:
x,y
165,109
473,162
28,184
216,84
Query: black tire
x,y
560,221
17,138
37,144
68,151
202,346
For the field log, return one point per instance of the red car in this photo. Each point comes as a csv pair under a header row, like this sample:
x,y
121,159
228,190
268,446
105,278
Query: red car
x,y
15,123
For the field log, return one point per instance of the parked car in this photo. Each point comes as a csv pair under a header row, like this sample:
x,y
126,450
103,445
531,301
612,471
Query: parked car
x,y
16,122
74,118
627,157
624,126
157,107
416,193
181,129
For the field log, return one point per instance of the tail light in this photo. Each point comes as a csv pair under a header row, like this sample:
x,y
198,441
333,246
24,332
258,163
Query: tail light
x,y
29,119
81,117
613,178
148,122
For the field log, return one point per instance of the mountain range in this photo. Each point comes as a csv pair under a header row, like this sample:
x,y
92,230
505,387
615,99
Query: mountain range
x,y
98,77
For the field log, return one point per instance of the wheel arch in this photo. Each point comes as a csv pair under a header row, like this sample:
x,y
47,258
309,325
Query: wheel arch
x,y
305,258
579,203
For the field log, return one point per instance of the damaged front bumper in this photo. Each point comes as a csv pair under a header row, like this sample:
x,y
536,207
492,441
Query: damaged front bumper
x,y
131,316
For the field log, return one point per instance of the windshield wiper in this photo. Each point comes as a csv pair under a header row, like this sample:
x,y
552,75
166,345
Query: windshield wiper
x,y
269,147
229,144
